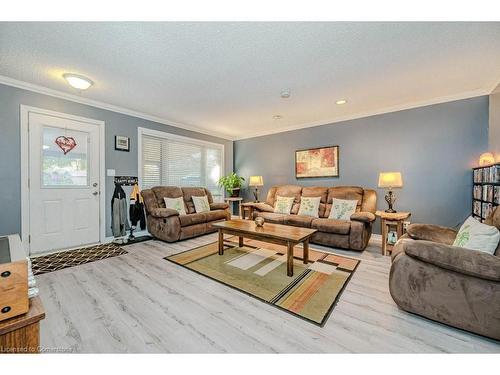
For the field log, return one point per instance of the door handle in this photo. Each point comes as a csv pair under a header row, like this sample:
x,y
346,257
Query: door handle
x,y
95,193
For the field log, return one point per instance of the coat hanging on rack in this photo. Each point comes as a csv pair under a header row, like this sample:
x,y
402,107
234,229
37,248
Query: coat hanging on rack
x,y
119,221
136,211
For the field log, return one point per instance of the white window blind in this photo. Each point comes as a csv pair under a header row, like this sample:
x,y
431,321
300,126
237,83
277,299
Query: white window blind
x,y
173,162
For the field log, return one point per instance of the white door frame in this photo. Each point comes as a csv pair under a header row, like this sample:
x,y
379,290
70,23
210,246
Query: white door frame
x,y
25,171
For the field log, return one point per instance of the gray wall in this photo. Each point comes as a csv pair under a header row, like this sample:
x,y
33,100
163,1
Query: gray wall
x,y
434,147
125,163
494,145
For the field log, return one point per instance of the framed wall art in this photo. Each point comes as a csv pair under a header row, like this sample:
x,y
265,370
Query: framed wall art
x,y
317,162
122,143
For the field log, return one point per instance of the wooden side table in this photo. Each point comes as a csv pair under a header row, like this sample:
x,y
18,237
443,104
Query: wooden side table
x,y
247,208
231,200
388,219
21,334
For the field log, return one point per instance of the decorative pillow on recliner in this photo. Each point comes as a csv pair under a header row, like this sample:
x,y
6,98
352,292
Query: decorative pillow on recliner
x,y
309,206
283,205
175,204
201,204
342,209
477,236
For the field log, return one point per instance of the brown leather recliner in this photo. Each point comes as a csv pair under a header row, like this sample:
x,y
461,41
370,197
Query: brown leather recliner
x,y
449,284
351,234
166,224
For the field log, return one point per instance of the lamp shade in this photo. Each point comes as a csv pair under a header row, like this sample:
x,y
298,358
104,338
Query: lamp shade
x,y
486,159
390,180
255,181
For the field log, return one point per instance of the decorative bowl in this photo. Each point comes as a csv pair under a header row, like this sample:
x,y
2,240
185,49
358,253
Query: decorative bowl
x,y
259,221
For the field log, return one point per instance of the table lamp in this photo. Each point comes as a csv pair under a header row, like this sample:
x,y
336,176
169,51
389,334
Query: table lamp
x,y
256,182
389,181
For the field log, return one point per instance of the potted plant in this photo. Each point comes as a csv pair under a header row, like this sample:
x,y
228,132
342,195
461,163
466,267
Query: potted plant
x,y
232,183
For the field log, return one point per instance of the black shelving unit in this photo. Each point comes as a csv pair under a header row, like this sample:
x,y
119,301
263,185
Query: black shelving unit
x,y
485,190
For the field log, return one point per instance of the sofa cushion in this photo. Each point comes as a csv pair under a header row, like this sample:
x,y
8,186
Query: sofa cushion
x,y
315,191
166,192
215,215
331,225
298,220
289,191
191,219
201,204
271,217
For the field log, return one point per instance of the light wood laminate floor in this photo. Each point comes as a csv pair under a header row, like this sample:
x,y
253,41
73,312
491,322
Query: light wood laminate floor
x,y
139,302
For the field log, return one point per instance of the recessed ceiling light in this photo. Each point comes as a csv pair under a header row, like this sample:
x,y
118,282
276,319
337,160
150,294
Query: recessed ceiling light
x,y
277,117
77,81
285,93
341,101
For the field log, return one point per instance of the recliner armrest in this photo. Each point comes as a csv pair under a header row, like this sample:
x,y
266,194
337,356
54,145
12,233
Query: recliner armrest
x,y
469,262
430,232
219,206
263,207
366,217
163,212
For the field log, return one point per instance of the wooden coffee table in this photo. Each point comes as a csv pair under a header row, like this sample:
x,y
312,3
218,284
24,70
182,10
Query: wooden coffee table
x,y
274,233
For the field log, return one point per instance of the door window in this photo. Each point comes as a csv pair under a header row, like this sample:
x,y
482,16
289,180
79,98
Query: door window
x,y
65,158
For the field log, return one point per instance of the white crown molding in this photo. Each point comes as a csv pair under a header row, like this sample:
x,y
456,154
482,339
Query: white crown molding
x,y
439,100
110,107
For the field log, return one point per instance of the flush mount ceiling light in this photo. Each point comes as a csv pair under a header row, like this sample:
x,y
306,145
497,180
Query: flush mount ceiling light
x,y
277,117
77,81
341,101
285,93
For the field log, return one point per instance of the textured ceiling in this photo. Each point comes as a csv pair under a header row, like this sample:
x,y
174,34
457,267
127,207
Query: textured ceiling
x,y
226,78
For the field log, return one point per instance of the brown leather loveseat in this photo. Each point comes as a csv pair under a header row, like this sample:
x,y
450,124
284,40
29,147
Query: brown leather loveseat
x,y
347,234
166,224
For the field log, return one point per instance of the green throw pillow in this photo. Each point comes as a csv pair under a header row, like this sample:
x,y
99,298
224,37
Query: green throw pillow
x,y
342,209
175,204
283,205
309,206
477,236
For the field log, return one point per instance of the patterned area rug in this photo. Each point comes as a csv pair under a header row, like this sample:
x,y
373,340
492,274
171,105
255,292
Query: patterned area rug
x,y
259,269
71,258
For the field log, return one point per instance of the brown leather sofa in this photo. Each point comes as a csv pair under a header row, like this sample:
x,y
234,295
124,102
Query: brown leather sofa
x,y
452,285
166,224
347,234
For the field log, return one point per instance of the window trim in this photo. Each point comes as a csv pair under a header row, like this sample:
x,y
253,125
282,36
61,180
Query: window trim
x,y
170,136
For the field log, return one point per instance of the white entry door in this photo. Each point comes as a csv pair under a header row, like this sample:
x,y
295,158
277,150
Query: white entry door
x,y
64,202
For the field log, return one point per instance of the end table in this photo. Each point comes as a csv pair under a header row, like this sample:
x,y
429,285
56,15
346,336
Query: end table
x,y
388,219
231,200
247,207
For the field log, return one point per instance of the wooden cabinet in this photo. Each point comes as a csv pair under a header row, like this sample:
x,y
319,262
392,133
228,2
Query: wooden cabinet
x,y
21,334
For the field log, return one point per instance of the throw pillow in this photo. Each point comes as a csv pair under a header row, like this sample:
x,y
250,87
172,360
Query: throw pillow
x,y
477,236
342,209
175,204
283,205
201,204
309,206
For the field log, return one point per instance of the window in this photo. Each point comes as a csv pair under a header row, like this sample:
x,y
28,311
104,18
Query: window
x,y
170,160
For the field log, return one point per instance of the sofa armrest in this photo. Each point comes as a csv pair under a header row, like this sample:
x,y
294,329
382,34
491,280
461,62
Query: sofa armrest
x,y
263,207
469,262
163,212
219,206
434,233
365,217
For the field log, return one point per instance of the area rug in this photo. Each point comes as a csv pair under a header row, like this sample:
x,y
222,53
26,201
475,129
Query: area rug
x,y
71,258
259,270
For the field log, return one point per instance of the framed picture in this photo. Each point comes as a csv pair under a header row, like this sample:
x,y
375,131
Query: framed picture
x,y
122,143
317,162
